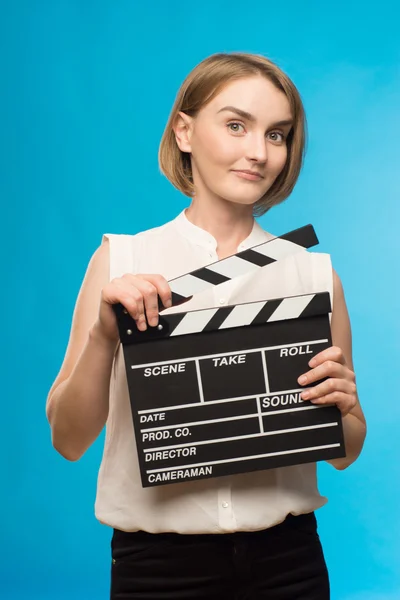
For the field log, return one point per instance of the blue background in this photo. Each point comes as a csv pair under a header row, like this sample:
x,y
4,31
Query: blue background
x,y
86,91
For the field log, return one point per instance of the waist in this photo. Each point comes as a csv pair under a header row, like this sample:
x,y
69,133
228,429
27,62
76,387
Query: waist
x,y
306,523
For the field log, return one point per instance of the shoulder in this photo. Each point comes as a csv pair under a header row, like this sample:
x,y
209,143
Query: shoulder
x,y
339,306
316,264
337,285
152,233
126,252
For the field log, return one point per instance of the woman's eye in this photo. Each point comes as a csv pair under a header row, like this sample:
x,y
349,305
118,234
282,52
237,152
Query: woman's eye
x,y
276,136
235,127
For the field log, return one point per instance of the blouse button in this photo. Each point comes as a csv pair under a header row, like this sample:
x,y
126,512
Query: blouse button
x,y
225,504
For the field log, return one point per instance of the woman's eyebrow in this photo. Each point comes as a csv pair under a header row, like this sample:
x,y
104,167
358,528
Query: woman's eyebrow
x,y
238,111
283,123
246,115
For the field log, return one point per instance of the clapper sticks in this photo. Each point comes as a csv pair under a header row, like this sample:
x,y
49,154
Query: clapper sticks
x,y
214,392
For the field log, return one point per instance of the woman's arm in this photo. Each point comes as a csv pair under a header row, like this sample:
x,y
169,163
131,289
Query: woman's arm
x,y
77,404
354,424
336,363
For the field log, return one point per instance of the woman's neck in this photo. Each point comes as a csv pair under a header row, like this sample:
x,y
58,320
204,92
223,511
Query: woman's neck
x,y
227,222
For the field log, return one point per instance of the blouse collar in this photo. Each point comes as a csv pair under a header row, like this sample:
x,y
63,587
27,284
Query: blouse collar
x,y
203,238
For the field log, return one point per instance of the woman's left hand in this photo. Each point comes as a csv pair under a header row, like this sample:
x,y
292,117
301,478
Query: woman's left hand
x,y
340,387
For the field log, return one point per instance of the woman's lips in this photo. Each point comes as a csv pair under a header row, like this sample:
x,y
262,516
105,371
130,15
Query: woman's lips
x,y
249,175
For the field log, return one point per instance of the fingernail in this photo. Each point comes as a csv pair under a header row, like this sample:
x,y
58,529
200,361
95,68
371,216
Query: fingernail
x,y
168,303
305,395
142,325
312,362
153,322
302,380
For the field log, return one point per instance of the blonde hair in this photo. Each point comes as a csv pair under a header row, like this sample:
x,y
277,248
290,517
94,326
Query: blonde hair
x,y
201,85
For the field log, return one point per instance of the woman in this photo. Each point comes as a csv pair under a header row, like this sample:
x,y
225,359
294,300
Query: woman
x,y
234,144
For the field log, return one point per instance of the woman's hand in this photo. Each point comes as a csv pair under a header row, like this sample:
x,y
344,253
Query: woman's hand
x,y
139,295
339,387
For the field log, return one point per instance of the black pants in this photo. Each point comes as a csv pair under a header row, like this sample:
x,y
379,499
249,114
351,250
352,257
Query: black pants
x,y
285,562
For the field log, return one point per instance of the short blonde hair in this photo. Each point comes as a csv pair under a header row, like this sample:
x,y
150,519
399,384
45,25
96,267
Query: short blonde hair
x,y
204,82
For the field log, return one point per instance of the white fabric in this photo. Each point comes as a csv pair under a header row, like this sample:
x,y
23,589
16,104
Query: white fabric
x,y
246,502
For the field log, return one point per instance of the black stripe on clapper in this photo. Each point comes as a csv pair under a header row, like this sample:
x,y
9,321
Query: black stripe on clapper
x,y
256,258
267,311
216,321
169,323
319,305
177,299
304,236
210,276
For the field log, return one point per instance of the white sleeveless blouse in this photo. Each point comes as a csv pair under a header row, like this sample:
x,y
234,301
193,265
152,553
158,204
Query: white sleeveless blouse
x,y
246,502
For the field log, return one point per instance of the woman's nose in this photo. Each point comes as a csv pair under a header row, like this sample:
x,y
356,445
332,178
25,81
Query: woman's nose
x,y
257,149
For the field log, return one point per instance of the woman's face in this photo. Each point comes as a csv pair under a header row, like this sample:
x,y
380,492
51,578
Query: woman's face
x,y
237,141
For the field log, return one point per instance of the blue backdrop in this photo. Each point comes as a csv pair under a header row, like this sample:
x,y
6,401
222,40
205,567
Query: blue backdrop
x,y
86,90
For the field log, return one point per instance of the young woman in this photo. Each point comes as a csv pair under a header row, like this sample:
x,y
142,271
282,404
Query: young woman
x,y
233,144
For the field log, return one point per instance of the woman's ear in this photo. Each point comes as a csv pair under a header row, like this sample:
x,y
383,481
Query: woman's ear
x,y
183,131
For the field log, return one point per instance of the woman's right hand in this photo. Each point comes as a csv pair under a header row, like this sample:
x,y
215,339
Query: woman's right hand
x,y
139,295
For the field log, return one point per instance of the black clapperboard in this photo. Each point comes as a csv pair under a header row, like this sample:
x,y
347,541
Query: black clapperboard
x,y
214,391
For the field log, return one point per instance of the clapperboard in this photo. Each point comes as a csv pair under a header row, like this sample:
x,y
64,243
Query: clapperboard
x,y
214,392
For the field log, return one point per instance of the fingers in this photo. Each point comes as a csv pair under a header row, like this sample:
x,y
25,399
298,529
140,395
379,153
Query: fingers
x,y
337,382
333,354
123,292
136,301
327,369
329,387
150,301
163,289
344,402
328,363
139,295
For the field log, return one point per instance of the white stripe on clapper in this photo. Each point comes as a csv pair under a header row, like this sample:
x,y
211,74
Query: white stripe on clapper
x,y
279,248
244,458
196,423
241,437
199,382
233,267
195,321
219,354
242,314
259,414
266,414
187,285
291,308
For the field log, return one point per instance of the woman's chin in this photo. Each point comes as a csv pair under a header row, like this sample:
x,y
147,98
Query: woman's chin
x,y
242,199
